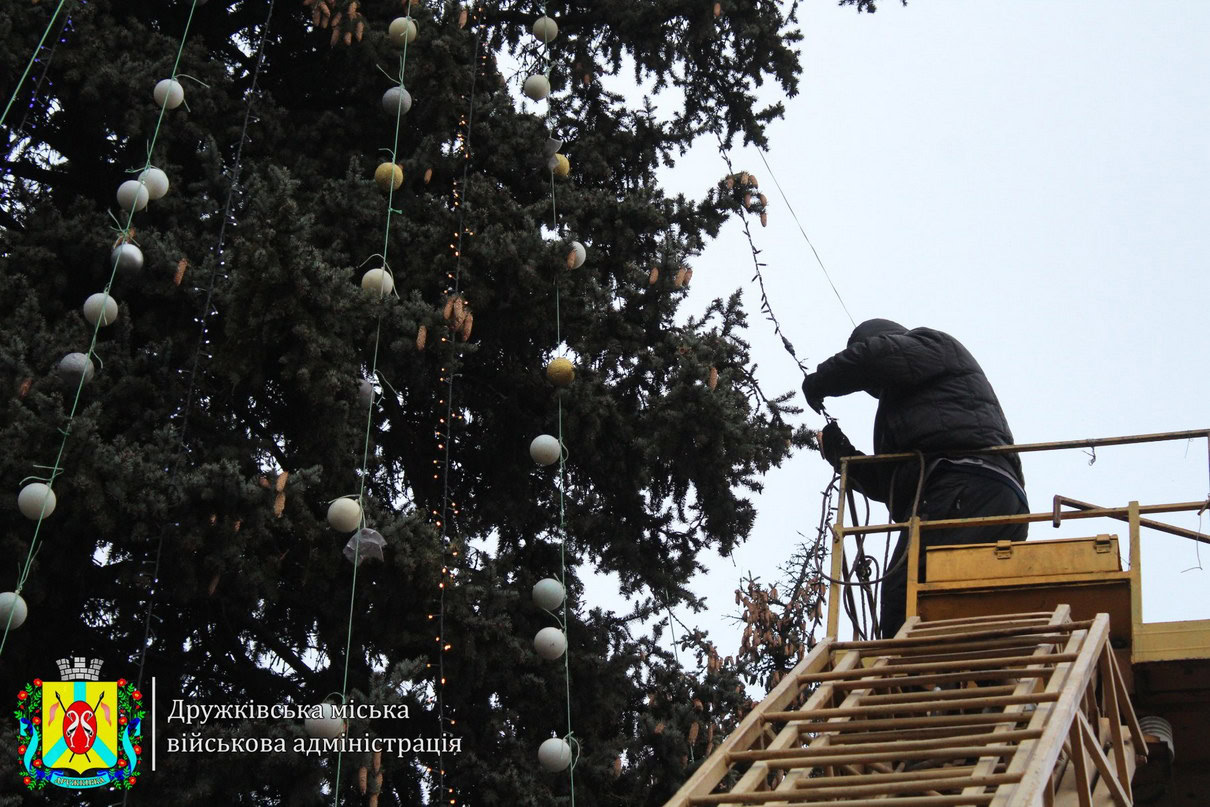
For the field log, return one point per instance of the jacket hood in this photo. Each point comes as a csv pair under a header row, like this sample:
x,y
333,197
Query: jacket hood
x,y
874,327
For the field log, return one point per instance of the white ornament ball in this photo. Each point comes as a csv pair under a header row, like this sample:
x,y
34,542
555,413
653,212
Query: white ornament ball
x,y
31,498
328,726
546,29
576,255
156,183
548,593
132,195
73,366
536,87
550,643
344,514
545,449
554,755
396,101
14,604
127,258
169,93
100,307
378,280
403,29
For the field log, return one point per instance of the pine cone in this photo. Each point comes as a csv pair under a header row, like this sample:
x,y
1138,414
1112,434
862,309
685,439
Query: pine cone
x,y
422,335
712,382
653,276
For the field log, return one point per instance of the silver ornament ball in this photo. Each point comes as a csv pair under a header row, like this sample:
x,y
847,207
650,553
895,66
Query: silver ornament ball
x,y
156,182
132,195
548,593
126,258
329,725
102,308
550,643
75,366
545,449
169,92
536,87
36,500
344,514
12,604
554,754
396,101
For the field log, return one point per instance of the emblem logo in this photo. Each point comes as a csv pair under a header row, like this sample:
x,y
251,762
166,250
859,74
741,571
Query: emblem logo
x,y
80,725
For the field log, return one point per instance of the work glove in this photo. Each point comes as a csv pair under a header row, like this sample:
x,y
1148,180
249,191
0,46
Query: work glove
x,y
814,399
833,444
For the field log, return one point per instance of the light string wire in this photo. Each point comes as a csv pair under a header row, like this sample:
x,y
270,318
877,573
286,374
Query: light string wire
x,y
30,65
55,469
50,57
365,456
814,252
191,386
571,740
460,197
757,263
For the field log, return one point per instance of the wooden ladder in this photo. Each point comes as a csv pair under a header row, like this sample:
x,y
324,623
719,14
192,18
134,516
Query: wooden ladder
x,y
1013,710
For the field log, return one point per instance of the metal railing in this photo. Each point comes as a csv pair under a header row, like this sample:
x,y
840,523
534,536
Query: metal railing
x,y
1132,513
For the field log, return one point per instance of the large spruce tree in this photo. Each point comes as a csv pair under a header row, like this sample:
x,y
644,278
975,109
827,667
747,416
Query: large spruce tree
x,y
227,407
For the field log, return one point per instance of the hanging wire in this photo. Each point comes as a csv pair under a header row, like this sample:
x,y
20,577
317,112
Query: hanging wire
x,y
460,201
124,233
814,252
570,737
50,56
365,456
30,65
765,305
203,319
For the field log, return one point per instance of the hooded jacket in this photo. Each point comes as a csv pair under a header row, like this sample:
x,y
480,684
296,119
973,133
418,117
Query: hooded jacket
x,y
932,397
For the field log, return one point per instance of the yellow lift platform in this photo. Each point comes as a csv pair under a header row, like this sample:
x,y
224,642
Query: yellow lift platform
x,y
1024,676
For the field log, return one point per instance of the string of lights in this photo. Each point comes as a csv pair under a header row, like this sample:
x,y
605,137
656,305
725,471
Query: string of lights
x,y
459,322
203,320
33,57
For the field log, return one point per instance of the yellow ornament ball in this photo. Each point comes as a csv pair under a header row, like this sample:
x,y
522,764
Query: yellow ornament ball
x,y
388,176
561,166
560,372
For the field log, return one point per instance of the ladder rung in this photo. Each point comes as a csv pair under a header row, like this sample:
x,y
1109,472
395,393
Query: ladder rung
x,y
950,638
844,790
855,756
976,664
918,706
764,797
913,722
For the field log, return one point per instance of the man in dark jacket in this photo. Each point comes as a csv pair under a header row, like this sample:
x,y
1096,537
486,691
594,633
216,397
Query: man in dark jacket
x,y
933,398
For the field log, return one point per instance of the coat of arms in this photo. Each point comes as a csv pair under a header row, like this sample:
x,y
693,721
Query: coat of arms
x,y
80,725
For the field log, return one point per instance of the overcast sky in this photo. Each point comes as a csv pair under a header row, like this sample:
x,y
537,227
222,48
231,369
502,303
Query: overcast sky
x,y
1030,177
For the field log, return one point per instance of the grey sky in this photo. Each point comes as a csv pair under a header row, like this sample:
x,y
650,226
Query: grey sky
x,y
1030,177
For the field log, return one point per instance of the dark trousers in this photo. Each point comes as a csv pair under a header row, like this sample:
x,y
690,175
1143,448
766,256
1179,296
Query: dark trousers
x,y
950,494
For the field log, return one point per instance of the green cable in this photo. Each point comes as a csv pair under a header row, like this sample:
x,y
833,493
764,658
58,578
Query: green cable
x,y
554,215
30,65
365,457
55,469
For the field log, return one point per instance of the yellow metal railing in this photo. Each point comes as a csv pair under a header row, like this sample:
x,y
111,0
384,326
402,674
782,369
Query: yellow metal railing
x,y
1132,514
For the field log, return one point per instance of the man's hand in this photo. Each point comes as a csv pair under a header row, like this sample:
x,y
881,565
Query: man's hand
x,y
833,444
814,400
